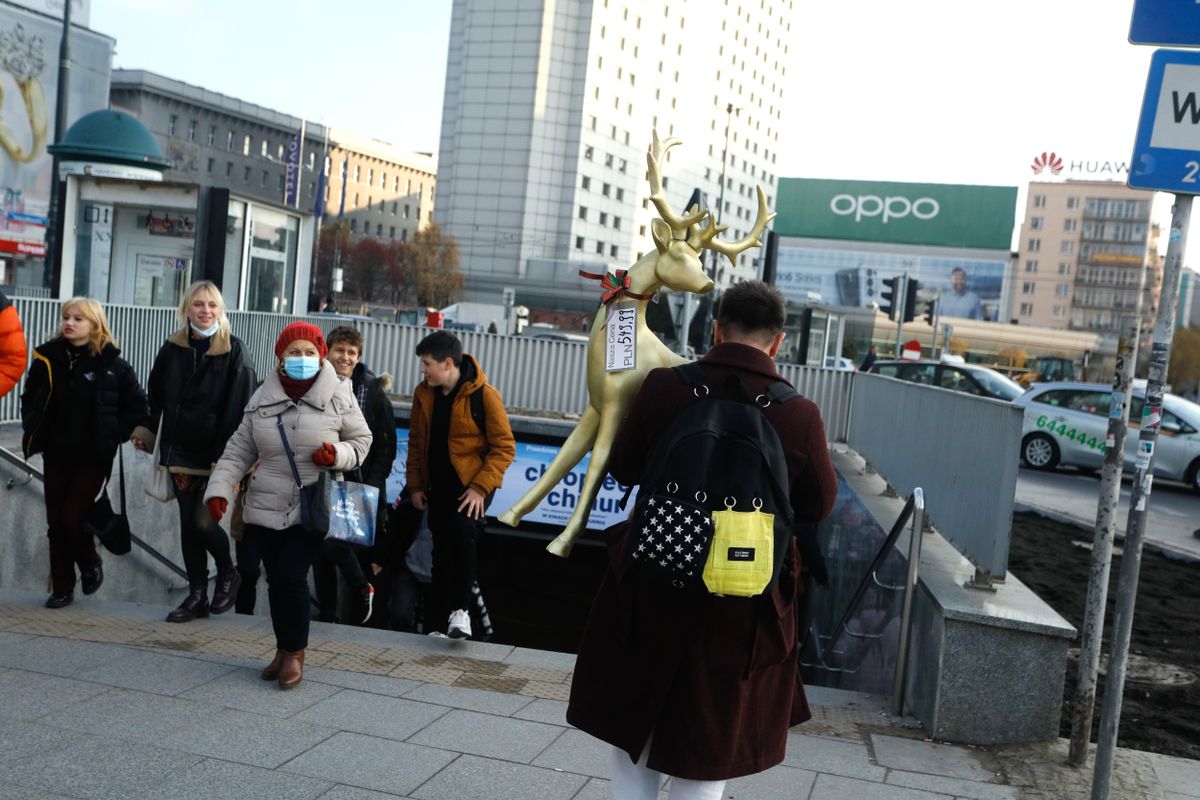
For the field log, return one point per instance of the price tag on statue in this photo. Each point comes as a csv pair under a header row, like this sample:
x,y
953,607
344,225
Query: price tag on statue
x,y
620,336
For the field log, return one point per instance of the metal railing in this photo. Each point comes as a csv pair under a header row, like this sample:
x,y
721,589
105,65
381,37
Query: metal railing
x,y
961,448
825,646
32,471
540,374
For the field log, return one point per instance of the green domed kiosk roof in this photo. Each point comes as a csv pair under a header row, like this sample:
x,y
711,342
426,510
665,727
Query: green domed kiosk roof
x,y
111,137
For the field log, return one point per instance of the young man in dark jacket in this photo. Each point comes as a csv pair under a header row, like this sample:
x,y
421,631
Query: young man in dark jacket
x,y
696,686
345,354
454,466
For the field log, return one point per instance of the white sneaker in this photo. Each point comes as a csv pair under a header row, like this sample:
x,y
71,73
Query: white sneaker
x,y
460,625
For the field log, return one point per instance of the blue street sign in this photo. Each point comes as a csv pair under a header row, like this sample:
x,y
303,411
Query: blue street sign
x,y
1166,153
1165,22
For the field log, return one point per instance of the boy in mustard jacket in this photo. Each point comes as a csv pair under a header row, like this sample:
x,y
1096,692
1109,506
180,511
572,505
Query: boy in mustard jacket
x,y
459,447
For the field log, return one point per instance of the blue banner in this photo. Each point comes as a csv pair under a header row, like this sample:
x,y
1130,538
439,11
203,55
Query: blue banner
x,y
531,462
291,188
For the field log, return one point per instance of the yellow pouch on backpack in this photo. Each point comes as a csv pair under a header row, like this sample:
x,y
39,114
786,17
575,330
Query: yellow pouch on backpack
x,y
740,561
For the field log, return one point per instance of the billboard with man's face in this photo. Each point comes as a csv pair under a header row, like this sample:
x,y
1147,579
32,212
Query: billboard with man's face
x,y
952,238
970,287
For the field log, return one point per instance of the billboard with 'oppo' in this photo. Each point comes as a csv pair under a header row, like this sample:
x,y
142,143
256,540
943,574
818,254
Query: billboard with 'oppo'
x,y
940,214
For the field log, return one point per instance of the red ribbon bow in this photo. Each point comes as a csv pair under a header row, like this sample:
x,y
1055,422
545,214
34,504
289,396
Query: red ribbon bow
x,y
614,287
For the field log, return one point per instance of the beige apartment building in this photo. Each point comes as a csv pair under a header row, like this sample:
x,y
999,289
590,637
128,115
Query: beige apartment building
x,y
388,191
1084,248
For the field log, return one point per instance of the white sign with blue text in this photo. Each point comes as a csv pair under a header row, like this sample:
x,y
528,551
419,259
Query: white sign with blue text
x,y
1166,153
531,461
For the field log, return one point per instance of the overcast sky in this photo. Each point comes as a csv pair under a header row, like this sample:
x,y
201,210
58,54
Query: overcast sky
x,y
950,91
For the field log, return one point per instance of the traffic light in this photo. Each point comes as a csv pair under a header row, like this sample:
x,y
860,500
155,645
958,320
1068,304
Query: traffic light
x,y
889,295
910,299
931,312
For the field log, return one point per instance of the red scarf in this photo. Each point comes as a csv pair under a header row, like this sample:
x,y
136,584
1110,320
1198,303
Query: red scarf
x,y
295,389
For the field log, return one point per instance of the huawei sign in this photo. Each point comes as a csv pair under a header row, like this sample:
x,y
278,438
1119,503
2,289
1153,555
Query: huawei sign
x,y
1047,161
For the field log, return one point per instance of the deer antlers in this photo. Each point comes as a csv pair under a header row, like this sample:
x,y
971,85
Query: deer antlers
x,y
701,238
679,225
688,226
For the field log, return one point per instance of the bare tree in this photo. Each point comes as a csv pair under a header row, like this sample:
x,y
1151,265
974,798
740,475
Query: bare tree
x,y
367,268
437,277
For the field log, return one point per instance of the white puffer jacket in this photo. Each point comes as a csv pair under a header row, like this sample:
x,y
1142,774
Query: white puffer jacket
x,y
327,413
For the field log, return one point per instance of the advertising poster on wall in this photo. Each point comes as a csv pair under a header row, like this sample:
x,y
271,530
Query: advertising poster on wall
x,y
531,461
842,238
29,45
970,288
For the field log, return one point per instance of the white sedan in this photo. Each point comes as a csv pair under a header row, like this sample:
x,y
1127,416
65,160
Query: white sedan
x,y
1067,423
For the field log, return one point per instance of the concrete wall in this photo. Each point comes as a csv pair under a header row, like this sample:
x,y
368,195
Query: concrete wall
x,y
984,667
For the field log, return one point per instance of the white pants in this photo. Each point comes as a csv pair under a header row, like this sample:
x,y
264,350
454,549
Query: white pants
x,y
638,782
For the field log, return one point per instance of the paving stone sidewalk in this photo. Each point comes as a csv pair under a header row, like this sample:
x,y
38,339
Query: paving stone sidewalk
x,y
106,700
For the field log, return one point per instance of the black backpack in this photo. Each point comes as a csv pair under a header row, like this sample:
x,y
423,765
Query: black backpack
x,y
718,455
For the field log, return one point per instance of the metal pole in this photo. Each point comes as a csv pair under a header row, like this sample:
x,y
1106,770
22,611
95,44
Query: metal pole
x,y
1131,562
937,310
902,292
1102,543
54,235
910,586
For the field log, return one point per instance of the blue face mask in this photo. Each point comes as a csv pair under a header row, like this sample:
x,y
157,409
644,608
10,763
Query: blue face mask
x,y
301,368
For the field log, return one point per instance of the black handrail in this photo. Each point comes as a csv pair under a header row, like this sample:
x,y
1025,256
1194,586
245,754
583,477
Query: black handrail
x,y
33,472
868,578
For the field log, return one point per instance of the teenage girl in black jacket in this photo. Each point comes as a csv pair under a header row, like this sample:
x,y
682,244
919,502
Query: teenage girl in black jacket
x,y
81,401
199,386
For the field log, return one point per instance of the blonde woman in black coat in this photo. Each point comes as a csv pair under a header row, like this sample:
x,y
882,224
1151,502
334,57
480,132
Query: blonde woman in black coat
x,y
199,385
81,401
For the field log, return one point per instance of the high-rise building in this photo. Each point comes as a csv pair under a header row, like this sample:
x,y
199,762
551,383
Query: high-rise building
x,y
1086,247
548,113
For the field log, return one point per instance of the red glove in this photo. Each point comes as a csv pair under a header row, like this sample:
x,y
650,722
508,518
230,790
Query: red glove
x,y
217,506
325,455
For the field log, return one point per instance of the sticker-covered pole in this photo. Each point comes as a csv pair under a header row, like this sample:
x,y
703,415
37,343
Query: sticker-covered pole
x,y
1131,561
1102,539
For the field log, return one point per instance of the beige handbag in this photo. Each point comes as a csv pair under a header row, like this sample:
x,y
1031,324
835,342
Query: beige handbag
x,y
160,486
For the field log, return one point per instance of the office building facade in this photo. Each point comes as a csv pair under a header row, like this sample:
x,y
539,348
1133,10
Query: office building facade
x,y
240,225
548,114
388,192
1086,250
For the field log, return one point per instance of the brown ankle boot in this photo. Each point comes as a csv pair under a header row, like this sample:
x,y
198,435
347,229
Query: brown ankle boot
x,y
292,669
271,671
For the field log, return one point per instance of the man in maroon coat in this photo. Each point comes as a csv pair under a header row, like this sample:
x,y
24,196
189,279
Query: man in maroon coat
x,y
702,688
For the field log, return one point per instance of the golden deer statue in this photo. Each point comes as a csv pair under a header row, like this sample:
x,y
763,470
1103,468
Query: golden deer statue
x,y
675,264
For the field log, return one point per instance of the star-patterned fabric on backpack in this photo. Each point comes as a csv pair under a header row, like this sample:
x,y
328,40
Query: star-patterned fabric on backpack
x,y
673,536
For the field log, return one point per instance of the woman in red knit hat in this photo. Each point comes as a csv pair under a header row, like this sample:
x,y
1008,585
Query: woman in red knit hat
x,y
304,401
